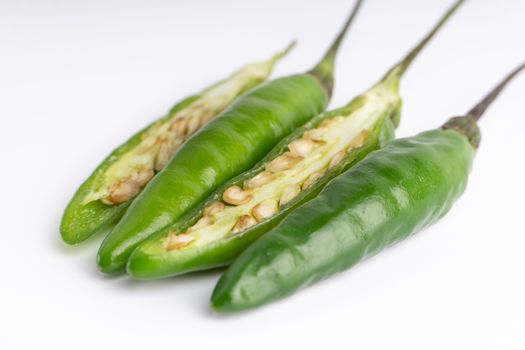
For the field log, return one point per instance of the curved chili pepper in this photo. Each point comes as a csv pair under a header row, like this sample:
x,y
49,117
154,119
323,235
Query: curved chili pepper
x,y
104,197
219,229
227,146
392,194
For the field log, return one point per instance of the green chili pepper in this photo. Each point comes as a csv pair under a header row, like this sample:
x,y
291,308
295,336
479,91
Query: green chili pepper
x,y
239,212
393,193
103,198
227,146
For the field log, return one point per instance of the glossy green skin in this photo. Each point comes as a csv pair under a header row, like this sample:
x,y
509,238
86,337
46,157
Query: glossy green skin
x,y
80,221
228,145
393,193
150,260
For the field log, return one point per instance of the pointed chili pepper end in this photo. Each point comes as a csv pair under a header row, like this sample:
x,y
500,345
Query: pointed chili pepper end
x,y
221,305
109,265
68,236
143,266
222,301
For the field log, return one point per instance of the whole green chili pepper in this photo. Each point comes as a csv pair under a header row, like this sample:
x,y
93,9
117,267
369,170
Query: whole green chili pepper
x,y
103,198
239,212
393,193
227,146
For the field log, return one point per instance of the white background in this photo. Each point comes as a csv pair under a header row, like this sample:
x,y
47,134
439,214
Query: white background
x,y
78,77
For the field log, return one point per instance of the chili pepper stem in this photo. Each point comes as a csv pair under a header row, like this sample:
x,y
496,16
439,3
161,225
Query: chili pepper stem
x,y
396,72
479,109
279,55
324,70
467,125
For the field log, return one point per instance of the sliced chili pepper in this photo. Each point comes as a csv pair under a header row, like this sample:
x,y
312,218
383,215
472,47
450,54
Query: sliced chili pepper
x,y
234,216
103,198
227,146
392,194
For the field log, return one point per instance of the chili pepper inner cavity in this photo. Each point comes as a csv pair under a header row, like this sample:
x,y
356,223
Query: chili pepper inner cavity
x,y
305,161
124,179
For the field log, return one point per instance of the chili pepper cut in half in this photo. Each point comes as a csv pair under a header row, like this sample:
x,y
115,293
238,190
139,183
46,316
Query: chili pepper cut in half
x,y
393,193
230,144
250,205
103,198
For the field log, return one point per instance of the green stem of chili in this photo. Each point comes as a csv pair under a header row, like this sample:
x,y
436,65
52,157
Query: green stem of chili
x,y
467,125
477,112
324,70
399,69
